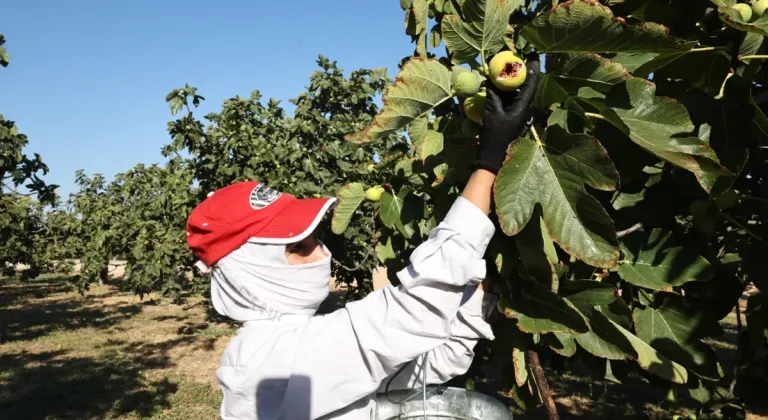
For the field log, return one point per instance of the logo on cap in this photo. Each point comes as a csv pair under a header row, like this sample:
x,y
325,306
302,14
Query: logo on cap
x,y
262,196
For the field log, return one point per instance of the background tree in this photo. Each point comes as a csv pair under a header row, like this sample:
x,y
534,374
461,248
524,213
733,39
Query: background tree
x,y
20,184
304,154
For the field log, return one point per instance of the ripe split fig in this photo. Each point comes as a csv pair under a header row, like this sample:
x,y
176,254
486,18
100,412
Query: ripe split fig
x,y
507,71
466,84
474,106
374,193
745,11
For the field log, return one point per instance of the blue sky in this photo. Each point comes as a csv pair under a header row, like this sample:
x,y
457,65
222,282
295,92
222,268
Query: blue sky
x,y
88,78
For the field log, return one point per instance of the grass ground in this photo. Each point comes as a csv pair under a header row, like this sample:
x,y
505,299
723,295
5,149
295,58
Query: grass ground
x,y
111,355
105,355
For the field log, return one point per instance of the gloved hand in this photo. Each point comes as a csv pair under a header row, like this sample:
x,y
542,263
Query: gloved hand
x,y
507,117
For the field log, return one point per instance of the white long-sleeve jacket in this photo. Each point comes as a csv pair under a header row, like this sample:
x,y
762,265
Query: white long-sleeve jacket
x,y
331,366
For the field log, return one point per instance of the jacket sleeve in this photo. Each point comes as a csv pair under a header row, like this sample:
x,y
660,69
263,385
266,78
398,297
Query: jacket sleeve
x,y
454,357
345,356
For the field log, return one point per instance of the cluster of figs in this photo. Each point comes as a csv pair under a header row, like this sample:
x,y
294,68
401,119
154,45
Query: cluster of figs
x,y
506,71
752,11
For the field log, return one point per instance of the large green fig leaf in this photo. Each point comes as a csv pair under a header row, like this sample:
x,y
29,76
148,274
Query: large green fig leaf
x,y
702,65
675,329
350,196
562,344
661,126
482,31
421,85
537,252
734,119
705,70
589,293
418,128
653,361
588,26
417,17
604,339
610,337
429,145
751,44
552,171
385,251
569,74
416,23
410,169
538,310
655,260
401,211
597,302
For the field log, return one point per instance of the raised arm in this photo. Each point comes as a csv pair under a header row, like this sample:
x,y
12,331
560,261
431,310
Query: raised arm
x,y
347,354
455,355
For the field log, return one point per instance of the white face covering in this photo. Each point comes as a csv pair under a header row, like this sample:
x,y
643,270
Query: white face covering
x,y
257,282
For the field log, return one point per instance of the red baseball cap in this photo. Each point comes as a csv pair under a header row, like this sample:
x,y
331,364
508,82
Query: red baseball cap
x,y
250,212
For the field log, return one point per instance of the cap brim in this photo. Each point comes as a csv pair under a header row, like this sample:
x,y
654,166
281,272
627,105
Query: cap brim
x,y
295,222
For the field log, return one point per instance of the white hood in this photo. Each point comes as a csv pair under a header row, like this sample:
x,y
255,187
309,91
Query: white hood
x,y
256,282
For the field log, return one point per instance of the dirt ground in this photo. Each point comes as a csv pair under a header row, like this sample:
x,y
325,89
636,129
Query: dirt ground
x,y
112,355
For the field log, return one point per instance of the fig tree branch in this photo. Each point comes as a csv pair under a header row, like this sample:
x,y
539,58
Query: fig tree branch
x,y
633,228
742,227
542,384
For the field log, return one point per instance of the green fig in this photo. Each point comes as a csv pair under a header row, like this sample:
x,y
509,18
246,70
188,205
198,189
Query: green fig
x,y
374,193
474,107
745,11
466,84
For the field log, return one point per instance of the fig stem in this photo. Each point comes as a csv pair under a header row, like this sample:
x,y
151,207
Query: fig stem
x,y
753,57
722,87
593,115
703,49
758,199
535,135
740,226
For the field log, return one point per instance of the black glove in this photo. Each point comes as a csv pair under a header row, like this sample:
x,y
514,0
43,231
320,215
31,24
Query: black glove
x,y
507,117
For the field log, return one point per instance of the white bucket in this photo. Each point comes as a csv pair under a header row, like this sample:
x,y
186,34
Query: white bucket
x,y
441,403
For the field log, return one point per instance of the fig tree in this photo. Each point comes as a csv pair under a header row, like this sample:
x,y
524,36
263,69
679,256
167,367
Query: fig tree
x,y
744,11
507,71
467,84
374,193
474,107
758,8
